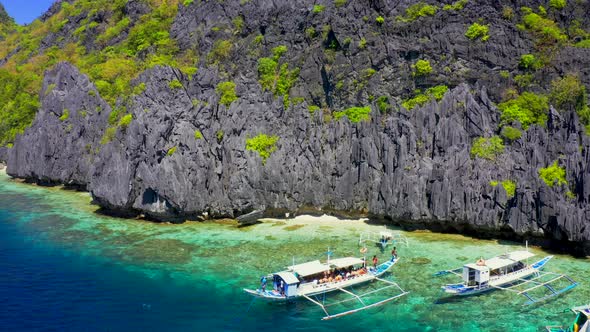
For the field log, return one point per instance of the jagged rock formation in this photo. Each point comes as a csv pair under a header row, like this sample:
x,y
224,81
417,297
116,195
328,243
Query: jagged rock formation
x,y
412,167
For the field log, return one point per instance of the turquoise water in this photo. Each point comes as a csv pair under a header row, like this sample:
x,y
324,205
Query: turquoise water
x,y
63,267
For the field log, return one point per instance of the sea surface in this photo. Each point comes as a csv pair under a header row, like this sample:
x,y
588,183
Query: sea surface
x,y
63,267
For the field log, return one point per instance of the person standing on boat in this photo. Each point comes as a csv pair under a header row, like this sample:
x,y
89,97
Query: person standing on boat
x,y
393,254
375,260
263,283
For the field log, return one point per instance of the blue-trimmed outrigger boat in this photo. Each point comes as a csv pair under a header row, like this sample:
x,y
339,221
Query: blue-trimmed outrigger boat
x,y
580,324
510,272
312,280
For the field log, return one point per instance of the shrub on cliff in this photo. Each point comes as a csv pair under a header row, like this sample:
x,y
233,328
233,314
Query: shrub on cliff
x,y
510,187
275,78
263,144
568,93
487,148
434,93
511,133
354,114
528,109
557,4
220,52
529,62
125,121
421,68
416,11
553,174
477,30
65,115
545,30
383,104
175,84
318,9
340,3
457,5
227,92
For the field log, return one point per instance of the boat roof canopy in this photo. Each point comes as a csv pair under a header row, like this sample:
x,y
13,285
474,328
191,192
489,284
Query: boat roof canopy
x,y
309,268
502,260
345,262
288,277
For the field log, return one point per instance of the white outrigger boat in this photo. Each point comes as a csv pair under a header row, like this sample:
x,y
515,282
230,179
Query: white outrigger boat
x,y
308,280
509,272
580,324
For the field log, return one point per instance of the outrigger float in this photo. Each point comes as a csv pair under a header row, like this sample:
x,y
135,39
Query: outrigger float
x,y
509,272
383,239
580,324
312,279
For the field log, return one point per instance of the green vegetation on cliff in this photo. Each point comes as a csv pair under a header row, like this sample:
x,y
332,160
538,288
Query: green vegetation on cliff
x,y
478,31
553,175
420,99
111,68
275,78
487,148
113,41
416,11
354,114
227,92
527,108
263,144
568,93
422,68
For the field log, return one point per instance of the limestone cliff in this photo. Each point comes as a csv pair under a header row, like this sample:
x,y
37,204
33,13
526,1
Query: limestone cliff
x,y
181,152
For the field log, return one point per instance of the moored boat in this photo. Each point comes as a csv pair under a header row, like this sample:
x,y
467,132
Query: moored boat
x,y
315,277
507,272
580,324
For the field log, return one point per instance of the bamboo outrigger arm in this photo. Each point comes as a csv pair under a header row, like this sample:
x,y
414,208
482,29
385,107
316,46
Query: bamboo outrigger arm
x,y
359,298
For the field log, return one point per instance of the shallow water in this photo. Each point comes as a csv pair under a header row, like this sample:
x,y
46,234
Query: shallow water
x,y
64,267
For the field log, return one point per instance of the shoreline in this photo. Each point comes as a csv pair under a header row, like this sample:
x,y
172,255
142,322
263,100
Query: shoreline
x,y
316,215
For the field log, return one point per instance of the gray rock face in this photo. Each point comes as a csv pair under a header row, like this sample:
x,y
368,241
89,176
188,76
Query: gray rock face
x,y
412,167
61,144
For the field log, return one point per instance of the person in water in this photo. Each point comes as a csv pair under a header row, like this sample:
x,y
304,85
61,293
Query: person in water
x,y
375,260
